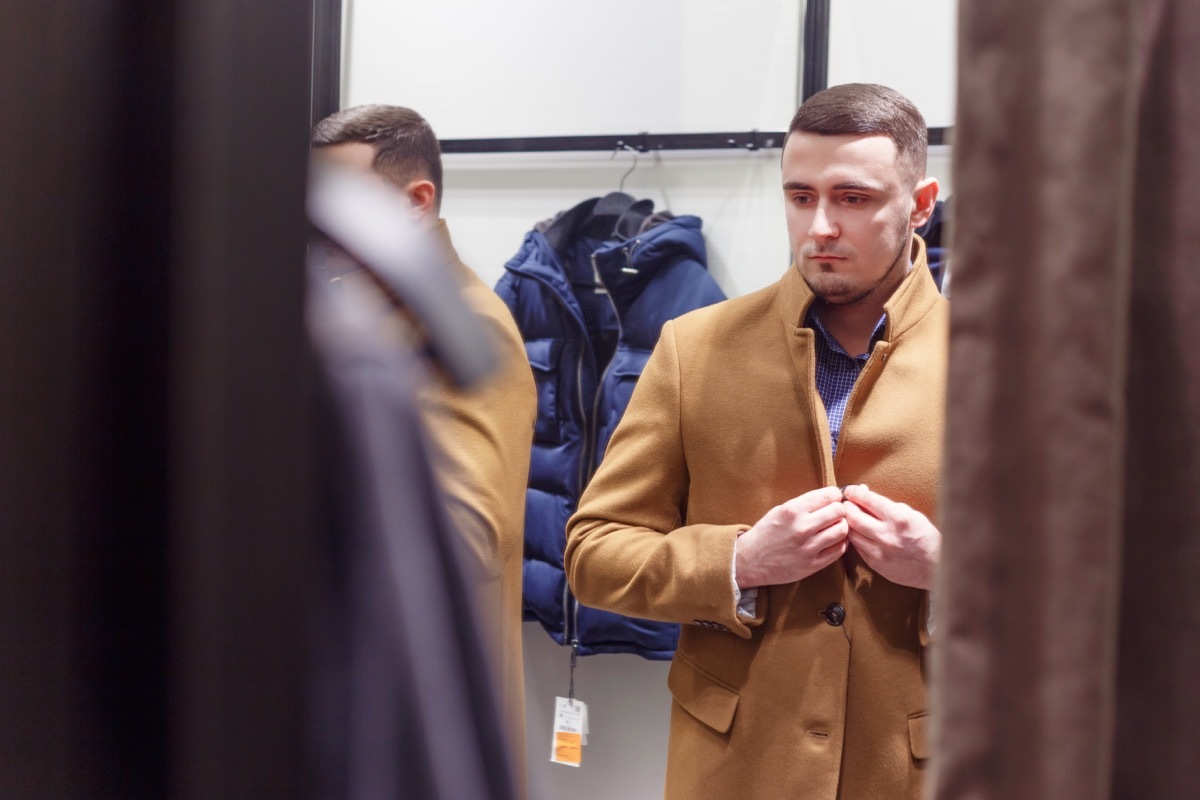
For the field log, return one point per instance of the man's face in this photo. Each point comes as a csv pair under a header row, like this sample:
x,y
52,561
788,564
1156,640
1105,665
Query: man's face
x,y
850,213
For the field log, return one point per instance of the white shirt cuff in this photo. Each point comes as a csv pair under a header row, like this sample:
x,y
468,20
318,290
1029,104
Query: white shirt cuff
x,y
746,601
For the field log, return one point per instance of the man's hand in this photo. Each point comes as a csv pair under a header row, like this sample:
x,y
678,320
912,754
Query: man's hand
x,y
793,540
896,541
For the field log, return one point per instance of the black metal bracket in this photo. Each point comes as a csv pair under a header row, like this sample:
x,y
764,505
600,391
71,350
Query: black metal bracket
x,y
815,75
639,142
326,59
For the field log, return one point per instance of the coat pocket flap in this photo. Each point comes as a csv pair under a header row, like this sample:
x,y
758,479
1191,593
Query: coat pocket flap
x,y
918,734
543,354
702,696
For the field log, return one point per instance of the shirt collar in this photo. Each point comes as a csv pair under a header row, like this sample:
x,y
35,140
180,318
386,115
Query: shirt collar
x,y
811,320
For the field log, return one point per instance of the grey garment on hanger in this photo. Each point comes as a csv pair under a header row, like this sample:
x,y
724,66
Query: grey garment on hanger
x,y
405,699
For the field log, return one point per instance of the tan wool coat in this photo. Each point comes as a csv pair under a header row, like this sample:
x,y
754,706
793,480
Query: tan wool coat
x,y
482,438
726,423
484,435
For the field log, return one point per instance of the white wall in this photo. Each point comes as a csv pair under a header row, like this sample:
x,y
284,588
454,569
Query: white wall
x,y
490,202
910,45
477,68
540,68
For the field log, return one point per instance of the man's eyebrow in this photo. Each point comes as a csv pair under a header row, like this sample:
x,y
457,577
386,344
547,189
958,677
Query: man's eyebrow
x,y
849,186
857,187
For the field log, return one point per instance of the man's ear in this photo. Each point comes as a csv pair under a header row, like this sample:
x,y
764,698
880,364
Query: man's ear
x,y
422,194
924,198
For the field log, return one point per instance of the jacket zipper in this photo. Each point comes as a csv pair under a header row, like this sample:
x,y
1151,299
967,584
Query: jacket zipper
x,y
570,605
570,632
594,423
591,430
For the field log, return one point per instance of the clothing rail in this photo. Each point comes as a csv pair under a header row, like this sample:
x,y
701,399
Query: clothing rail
x,y
638,142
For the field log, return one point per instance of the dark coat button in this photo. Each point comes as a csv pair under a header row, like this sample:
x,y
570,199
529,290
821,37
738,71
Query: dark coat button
x,y
834,614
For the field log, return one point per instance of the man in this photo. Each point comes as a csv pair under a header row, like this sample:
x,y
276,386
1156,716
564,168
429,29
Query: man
x,y
484,434
799,671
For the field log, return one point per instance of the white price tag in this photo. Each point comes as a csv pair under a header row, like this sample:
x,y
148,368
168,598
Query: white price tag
x,y
570,731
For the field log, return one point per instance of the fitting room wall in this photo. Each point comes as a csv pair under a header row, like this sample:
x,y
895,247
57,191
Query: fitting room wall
x,y
541,68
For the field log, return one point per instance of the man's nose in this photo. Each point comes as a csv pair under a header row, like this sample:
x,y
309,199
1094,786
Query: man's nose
x,y
822,227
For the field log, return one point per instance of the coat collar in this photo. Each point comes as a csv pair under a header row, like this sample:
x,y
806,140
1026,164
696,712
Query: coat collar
x,y
911,301
439,235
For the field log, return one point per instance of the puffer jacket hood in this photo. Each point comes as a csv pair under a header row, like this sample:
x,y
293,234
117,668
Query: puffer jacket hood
x,y
590,304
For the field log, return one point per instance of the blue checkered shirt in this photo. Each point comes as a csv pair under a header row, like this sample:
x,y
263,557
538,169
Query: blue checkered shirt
x,y
837,371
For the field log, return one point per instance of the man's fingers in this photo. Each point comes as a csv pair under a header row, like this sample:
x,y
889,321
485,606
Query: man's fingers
x,y
816,499
874,503
861,520
830,554
868,548
834,532
824,516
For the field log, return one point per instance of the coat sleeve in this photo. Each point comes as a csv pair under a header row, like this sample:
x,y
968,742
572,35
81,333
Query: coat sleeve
x,y
628,548
483,436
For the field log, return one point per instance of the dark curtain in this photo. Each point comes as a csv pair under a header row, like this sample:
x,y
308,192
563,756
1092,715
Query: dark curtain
x,y
155,531
1068,608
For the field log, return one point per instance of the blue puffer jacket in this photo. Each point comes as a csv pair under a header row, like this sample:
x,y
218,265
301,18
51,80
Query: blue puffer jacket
x,y
590,309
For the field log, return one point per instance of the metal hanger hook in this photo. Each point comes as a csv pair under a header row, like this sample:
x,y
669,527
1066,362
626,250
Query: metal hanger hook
x,y
623,146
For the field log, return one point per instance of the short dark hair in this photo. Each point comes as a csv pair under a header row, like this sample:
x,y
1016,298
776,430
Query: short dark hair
x,y
406,147
868,109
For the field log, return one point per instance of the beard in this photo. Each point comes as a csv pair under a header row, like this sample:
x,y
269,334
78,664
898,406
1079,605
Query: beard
x,y
836,289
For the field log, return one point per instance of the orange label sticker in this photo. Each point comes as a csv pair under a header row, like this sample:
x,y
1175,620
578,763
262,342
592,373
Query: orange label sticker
x,y
568,748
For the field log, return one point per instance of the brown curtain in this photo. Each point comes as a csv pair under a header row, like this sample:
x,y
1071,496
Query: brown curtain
x,y
156,483
1068,658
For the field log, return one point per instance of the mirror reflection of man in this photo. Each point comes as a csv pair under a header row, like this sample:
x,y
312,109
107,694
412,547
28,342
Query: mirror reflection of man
x,y
482,434
805,607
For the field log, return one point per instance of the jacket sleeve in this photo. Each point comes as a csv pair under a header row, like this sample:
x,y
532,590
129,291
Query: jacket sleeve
x,y
483,436
628,550
507,288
